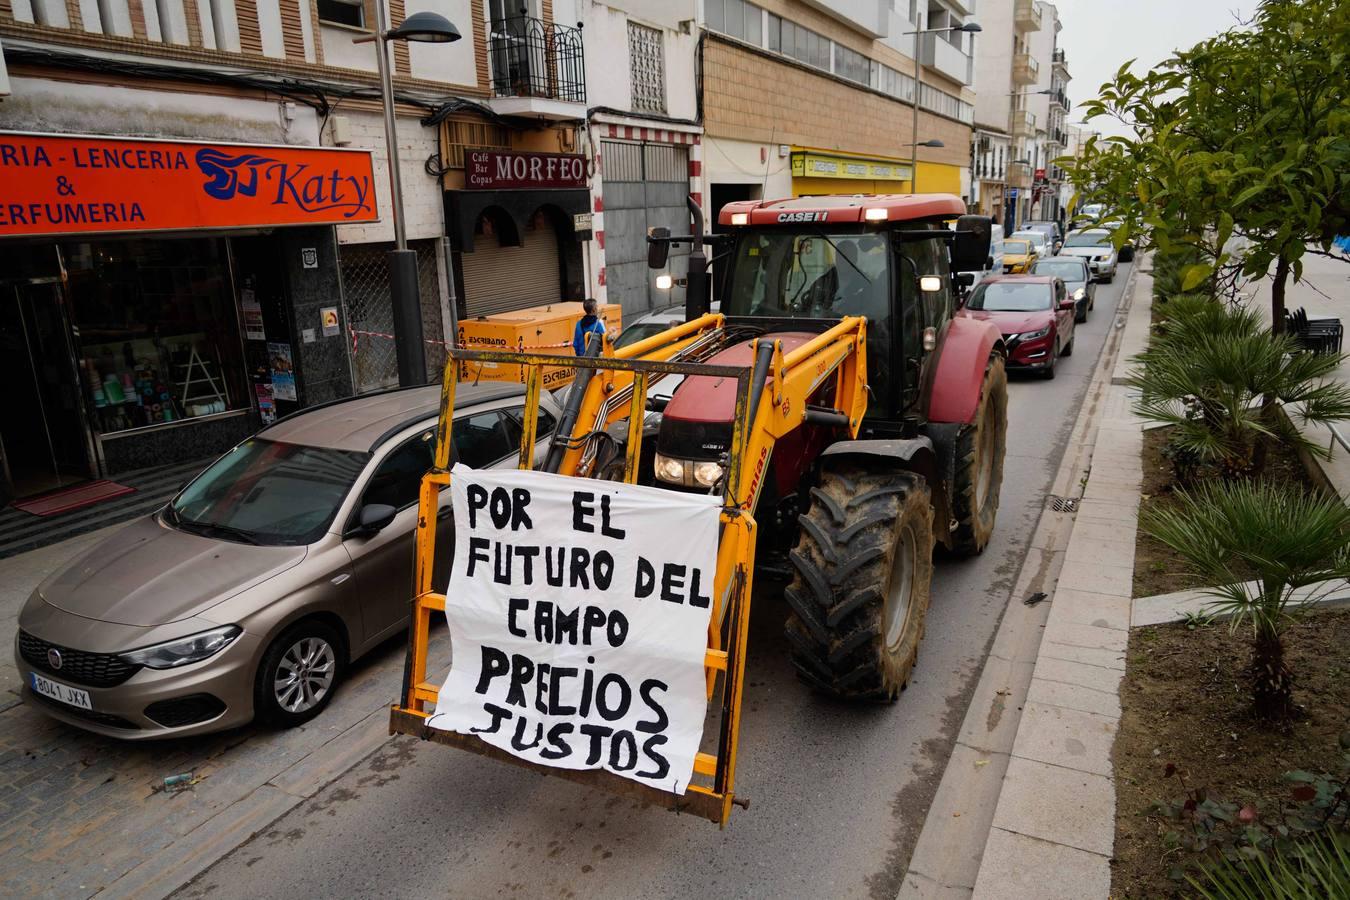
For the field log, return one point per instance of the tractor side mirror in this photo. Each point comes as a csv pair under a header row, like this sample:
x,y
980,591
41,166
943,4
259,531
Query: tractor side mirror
x,y
658,247
970,246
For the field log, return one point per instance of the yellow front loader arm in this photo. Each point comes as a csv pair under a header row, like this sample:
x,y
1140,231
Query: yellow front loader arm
x,y
773,398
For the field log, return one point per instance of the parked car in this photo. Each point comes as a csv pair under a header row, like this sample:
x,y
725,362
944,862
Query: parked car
x,y
1050,229
1018,255
1034,314
1073,271
1093,245
1039,239
644,327
251,591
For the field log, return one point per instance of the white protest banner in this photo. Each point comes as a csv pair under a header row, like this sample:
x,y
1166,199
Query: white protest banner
x,y
579,622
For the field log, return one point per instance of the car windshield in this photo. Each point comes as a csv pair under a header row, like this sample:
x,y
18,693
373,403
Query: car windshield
x,y
1034,237
639,331
996,248
1010,296
817,276
1016,248
1089,239
1069,270
267,492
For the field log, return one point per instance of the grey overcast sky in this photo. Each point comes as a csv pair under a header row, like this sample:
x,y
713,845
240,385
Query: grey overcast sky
x,y
1099,35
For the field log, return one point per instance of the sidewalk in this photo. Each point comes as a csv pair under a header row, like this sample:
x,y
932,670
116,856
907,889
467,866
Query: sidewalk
x,y
1054,827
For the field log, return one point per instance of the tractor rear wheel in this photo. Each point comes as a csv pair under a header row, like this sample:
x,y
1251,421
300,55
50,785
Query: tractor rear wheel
x,y
980,448
859,593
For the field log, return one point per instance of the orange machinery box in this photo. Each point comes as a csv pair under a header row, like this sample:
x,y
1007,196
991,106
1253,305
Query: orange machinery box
x,y
539,329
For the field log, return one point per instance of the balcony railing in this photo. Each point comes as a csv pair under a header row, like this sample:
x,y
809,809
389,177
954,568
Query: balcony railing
x,y
1024,123
1026,15
534,58
1019,175
1025,69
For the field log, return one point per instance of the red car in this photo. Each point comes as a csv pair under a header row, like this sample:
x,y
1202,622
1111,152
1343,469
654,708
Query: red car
x,y
1035,315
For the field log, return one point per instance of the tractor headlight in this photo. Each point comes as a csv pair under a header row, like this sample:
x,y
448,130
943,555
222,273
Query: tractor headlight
x,y
1079,294
194,648
707,474
668,469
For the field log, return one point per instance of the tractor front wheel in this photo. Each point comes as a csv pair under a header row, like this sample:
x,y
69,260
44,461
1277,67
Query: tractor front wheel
x,y
859,593
980,448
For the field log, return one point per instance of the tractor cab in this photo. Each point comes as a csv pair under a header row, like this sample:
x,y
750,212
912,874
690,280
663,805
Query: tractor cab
x,y
790,269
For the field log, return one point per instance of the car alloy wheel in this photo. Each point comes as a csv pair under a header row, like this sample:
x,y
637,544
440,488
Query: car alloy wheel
x,y
305,675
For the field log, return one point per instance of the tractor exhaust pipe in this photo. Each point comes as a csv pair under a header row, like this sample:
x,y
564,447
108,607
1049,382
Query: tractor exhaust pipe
x,y
696,291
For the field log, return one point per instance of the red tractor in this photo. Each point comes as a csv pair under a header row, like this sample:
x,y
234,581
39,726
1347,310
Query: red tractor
x,y
859,517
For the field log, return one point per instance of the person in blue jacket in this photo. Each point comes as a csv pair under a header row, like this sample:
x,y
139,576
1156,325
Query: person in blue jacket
x,y
589,323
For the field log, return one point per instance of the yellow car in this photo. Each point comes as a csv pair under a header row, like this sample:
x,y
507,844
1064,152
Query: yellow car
x,y
1018,256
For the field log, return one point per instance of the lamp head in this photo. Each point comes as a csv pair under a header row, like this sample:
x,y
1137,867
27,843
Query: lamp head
x,y
425,27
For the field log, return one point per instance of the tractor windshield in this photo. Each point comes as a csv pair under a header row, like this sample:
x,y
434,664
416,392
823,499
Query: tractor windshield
x,y
816,276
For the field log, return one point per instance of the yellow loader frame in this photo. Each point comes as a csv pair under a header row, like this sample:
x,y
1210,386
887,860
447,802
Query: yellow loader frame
x,y
771,401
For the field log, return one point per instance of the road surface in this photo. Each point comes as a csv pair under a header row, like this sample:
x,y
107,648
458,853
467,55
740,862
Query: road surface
x,y
838,793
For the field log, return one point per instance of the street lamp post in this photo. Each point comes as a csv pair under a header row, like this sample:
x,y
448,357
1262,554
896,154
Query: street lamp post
x,y
969,28
914,158
428,27
1012,141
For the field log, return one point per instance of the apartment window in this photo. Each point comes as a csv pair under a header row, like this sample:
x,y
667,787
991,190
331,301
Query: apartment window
x,y
852,65
738,19
340,12
647,68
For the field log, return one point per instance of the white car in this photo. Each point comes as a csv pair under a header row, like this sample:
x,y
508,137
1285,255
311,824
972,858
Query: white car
x,y
1093,245
1039,239
643,327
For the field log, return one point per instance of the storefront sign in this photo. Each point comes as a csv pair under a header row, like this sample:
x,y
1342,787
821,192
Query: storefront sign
x,y
512,170
820,165
581,222
58,184
579,622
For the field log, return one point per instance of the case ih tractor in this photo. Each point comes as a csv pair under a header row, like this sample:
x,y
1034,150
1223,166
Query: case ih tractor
x,y
837,407
927,463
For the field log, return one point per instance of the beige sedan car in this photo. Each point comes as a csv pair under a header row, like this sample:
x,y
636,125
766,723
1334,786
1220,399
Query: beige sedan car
x,y
250,592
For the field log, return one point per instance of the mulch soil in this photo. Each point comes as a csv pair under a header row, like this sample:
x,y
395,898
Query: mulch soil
x,y
1185,701
1157,568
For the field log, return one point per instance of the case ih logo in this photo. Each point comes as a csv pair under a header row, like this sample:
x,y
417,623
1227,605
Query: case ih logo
x,y
792,217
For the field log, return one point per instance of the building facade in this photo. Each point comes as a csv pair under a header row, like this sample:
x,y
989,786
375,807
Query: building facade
x,y
819,97
1006,75
152,343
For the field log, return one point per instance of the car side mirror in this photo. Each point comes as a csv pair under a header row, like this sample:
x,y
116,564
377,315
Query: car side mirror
x,y
375,517
989,262
965,279
658,247
1066,304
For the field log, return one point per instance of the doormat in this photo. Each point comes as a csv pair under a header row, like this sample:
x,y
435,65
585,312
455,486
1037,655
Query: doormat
x,y
74,498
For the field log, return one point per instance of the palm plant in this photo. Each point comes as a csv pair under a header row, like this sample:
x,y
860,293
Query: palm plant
x,y
1283,539
1213,373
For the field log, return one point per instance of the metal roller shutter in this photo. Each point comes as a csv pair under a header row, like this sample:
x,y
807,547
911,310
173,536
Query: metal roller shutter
x,y
500,279
645,184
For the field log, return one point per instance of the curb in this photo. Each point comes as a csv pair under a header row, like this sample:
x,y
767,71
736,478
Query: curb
x,y
951,850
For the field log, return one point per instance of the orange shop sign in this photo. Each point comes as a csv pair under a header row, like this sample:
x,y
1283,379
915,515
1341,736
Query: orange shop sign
x,y
62,184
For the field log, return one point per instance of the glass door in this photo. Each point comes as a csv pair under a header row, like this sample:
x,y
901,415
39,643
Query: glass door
x,y
42,429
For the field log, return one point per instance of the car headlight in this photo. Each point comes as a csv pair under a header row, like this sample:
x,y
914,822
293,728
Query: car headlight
x,y
1079,294
183,651
707,474
669,469
1032,335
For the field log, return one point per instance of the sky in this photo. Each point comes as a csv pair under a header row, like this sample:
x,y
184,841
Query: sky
x,y
1099,35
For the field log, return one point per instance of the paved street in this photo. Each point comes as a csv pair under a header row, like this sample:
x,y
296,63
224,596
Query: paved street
x,y
838,794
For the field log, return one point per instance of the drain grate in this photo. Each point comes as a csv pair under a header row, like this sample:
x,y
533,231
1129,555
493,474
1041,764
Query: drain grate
x,y
1063,504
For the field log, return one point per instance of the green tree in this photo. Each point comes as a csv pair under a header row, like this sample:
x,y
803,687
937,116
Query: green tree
x,y
1284,539
1244,135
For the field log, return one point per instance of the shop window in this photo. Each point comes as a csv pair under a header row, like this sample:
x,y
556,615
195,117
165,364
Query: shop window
x,y
647,68
158,331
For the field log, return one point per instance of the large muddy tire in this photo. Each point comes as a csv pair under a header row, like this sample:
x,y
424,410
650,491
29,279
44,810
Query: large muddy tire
x,y
860,585
980,448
